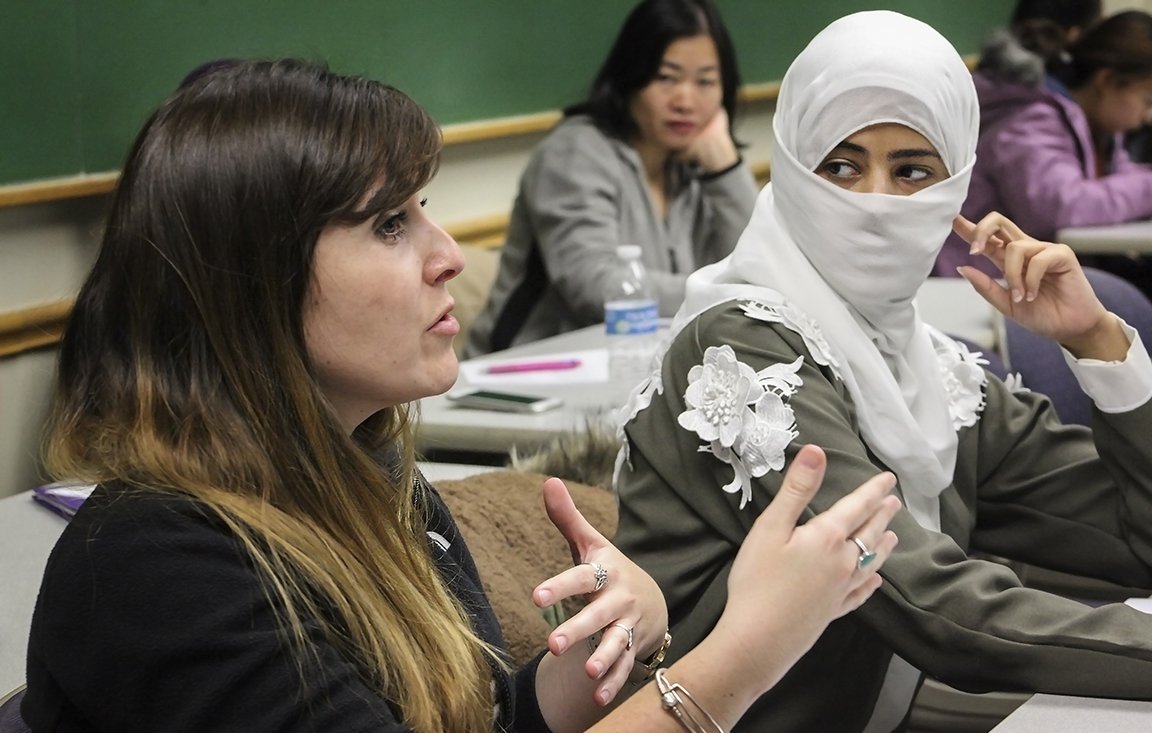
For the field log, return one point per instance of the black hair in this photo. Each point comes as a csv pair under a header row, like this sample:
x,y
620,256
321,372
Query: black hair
x,y
208,67
1121,43
635,58
1041,26
1067,14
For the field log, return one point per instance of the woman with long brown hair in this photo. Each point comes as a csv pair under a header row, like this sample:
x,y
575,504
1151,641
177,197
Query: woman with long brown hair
x,y
261,552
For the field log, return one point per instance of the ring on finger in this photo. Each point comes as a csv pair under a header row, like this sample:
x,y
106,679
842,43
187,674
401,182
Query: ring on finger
x,y
631,635
599,573
866,556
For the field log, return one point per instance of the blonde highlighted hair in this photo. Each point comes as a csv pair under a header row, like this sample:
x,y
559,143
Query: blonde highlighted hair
x,y
183,367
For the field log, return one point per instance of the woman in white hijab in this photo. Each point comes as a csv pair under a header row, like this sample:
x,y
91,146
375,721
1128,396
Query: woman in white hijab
x,y
808,333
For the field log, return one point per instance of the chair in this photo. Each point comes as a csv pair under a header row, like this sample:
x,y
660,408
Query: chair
x,y
1041,363
502,518
10,720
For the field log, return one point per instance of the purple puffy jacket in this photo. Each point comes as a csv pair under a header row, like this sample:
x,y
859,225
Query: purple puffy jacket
x,y
1035,164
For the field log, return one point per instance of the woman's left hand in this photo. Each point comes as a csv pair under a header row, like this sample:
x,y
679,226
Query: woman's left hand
x,y
627,599
713,148
1045,288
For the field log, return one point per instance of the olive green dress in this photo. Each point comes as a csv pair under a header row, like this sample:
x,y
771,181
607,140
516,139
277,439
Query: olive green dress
x,y
1025,488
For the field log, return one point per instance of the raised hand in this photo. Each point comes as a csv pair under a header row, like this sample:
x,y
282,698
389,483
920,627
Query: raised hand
x,y
713,148
620,596
788,582
1045,288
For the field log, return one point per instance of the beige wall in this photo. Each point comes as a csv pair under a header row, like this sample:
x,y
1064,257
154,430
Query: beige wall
x,y
45,249
1115,6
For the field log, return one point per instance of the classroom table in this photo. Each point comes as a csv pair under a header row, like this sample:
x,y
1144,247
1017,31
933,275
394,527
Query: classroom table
x,y
1049,713
444,426
1131,238
28,531
950,304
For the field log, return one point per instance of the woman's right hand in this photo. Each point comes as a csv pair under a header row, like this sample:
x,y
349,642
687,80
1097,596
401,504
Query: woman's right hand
x,y
789,582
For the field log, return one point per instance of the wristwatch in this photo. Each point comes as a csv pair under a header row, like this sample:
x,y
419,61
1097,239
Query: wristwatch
x,y
652,663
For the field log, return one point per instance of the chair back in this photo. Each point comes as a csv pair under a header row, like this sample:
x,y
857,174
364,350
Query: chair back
x,y
10,720
1041,363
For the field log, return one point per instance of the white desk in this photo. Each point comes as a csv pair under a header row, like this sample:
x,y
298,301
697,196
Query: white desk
x,y
1133,237
28,532
1049,713
445,426
950,304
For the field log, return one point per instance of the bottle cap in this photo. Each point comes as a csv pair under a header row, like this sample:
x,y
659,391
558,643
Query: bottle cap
x,y
628,251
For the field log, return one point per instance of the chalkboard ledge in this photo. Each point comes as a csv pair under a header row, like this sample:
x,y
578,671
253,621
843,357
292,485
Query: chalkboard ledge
x,y
55,189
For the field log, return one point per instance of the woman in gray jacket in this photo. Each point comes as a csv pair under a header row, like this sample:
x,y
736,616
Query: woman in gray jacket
x,y
649,159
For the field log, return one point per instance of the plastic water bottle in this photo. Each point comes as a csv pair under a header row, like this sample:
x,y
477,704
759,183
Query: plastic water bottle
x,y
631,319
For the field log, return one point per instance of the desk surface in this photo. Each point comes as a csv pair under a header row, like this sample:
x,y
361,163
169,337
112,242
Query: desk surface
x,y
445,426
1134,236
28,531
1047,713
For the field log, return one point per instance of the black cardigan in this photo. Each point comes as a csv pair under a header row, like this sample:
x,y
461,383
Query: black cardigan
x,y
152,617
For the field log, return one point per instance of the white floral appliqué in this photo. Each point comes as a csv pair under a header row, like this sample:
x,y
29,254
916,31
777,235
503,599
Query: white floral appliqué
x,y
742,414
1015,383
798,321
964,380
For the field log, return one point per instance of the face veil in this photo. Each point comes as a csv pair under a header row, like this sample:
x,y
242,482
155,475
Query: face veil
x,y
853,262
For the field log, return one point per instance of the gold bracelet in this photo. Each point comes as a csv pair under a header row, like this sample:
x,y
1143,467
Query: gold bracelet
x,y
652,663
670,698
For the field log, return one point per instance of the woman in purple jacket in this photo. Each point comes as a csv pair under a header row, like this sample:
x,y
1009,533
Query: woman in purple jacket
x,y
1050,153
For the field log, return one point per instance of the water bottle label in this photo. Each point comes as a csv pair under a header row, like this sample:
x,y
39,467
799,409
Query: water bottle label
x,y
631,318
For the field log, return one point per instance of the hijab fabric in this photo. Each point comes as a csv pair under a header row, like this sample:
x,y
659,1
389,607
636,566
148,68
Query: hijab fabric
x,y
853,262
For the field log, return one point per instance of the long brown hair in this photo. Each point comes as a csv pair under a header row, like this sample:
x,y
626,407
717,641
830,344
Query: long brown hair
x,y
1121,43
183,367
1043,26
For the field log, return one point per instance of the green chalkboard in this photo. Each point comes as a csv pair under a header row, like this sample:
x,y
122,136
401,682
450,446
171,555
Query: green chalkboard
x,y
78,77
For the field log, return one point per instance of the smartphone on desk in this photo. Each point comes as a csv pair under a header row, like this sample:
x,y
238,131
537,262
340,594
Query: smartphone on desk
x,y
490,399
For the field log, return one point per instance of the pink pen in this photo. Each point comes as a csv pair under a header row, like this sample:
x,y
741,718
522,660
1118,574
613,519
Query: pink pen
x,y
533,366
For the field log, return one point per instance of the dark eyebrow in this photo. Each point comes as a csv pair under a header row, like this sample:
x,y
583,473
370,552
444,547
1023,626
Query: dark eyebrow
x,y
851,147
913,153
677,67
902,154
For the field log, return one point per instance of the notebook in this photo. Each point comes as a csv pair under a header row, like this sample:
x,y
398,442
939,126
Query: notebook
x,y
63,497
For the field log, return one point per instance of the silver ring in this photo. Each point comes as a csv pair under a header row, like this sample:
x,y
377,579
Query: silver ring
x,y
866,556
631,631
599,573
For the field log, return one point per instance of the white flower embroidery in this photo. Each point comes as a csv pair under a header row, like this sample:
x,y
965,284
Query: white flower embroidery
x,y
964,380
742,414
781,378
1015,383
638,399
798,321
719,390
764,438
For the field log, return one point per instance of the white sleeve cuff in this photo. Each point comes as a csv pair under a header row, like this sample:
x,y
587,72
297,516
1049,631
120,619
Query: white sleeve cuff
x,y
1116,386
